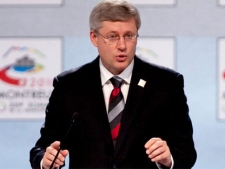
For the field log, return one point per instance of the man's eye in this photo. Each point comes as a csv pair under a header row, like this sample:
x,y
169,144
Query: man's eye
x,y
112,36
128,36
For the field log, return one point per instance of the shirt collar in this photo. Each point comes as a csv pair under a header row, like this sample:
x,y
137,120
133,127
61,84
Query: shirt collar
x,y
125,75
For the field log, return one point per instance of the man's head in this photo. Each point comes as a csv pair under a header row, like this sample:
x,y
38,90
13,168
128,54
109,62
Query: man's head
x,y
114,26
113,10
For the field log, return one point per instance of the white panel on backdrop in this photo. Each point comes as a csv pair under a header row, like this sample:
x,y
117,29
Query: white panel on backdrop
x,y
222,2
27,68
153,2
221,78
30,2
160,51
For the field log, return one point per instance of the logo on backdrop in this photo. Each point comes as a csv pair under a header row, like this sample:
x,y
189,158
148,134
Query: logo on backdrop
x,y
222,110
26,74
160,51
221,79
23,65
142,51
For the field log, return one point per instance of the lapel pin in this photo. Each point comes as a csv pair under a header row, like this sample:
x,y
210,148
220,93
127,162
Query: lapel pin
x,y
141,83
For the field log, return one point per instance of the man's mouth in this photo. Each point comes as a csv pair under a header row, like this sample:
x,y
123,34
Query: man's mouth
x,y
121,57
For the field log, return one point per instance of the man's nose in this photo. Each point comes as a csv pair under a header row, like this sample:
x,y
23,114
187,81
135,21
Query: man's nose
x,y
121,43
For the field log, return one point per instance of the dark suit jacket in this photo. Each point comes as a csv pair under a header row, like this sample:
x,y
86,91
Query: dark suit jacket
x,y
158,109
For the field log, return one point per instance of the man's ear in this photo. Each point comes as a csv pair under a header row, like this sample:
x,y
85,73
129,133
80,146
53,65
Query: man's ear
x,y
93,38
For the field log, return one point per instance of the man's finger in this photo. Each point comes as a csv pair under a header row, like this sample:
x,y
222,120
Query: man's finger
x,y
151,142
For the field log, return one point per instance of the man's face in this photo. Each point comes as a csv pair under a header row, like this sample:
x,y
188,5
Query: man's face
x,y
117,55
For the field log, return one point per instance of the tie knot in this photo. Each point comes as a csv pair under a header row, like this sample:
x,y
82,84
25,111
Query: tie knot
x,y
116,81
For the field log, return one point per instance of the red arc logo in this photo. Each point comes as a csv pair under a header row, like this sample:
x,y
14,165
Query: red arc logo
x,y
14,81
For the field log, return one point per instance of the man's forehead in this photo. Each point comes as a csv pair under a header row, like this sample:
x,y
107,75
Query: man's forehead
x,y
129,25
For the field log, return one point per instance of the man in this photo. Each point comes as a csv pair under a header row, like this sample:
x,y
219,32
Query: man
x,y
153,130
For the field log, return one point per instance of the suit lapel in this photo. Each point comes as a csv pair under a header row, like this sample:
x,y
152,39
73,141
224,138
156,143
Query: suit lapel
x,y
133,100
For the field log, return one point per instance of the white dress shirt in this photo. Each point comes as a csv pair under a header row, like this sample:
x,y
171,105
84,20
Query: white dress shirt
x,y
107,86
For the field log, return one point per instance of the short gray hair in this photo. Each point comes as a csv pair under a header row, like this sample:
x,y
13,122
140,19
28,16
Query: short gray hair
x,y
113,10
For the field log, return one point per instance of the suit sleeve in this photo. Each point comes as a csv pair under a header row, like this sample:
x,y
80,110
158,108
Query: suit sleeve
x,y
54,127
181,144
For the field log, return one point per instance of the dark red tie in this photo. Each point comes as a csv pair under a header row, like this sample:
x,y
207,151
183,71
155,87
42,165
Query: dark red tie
x,y
116,106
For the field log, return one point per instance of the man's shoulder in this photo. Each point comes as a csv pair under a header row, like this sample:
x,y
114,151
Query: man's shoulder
x,y
82,71
151,68
157,75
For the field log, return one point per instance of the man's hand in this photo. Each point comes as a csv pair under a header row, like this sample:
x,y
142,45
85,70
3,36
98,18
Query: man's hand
x,y
50,153
158,151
